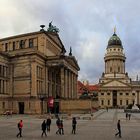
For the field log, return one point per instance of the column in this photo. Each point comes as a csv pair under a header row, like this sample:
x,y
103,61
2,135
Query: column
x,y
62,82
43,77
67,94
46,81
72,84
75,87
33,79
66,84
69,84
11,80
2,87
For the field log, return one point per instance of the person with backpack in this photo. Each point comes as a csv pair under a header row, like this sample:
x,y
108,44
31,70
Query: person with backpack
x,y
74,122
20,126
43,126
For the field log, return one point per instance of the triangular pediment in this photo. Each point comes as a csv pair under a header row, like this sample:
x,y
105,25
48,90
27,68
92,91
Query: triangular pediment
x,y
56,39
72,61
115,83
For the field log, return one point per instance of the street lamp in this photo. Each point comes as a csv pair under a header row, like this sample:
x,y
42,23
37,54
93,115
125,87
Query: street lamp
x,y
42,97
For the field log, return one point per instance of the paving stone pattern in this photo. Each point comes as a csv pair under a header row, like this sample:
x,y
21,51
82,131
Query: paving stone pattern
x,y
100,126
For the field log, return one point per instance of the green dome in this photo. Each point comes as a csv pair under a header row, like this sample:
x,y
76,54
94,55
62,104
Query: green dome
x,y
114,40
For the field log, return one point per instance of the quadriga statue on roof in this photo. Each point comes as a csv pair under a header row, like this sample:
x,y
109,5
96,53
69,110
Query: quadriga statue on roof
x,y
52,28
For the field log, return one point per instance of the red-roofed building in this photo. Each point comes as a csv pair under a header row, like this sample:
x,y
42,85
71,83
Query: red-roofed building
x,y
81,88
89,89
93,89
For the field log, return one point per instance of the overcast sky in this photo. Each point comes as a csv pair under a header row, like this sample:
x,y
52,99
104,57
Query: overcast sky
x,y
85,25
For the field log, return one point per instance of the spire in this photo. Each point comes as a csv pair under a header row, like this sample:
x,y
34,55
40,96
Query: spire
x,y
115,30
70,53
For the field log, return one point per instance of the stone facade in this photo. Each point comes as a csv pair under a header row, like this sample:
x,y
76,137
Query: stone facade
x,y
116,89
33,68
78,106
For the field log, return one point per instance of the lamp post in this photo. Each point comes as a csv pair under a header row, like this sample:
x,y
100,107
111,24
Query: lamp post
x,y
42,97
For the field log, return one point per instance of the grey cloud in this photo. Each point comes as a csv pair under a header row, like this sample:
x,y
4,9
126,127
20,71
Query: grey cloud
x,y
81,22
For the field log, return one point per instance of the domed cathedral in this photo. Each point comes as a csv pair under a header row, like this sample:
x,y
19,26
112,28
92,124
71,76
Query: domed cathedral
x,y
116,87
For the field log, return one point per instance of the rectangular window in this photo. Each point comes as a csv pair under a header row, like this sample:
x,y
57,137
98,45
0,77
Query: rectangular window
x,y
6,47
3,105
39,72
3,87
31,43
14,46
49,75
102,102
108,102
108,93
127,94
48,89
121,93
120,102
22,44
102,93
126,102
7,72
3,71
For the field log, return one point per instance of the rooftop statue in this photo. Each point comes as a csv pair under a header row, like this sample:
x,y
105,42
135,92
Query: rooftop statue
x,y
52,28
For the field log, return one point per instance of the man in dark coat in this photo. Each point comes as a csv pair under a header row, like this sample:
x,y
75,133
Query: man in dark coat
x,y
43,126
74,122
119,129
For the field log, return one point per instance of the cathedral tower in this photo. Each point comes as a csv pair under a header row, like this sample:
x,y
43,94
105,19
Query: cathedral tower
x,y
114,58
115,86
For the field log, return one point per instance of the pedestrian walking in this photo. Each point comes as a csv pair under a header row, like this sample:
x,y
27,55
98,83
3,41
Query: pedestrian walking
x,y
129,116
119,129
61,129
20,126
126,115
43,127
48,123
74,122
58,125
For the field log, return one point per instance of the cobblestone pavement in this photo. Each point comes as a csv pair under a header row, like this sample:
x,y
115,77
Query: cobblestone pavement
x,y
102,126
